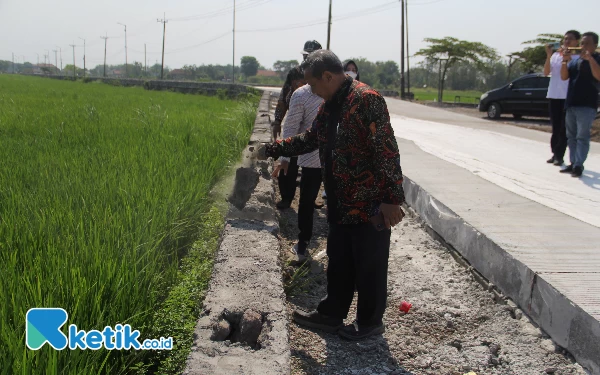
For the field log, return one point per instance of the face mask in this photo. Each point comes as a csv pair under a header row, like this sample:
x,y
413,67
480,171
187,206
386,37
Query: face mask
x,y
351,74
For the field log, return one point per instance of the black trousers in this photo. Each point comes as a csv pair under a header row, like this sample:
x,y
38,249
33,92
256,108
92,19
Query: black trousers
x,y
558,142
358,258
287,183
310,183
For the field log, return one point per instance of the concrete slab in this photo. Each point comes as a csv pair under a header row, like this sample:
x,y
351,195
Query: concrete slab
x,y
546,261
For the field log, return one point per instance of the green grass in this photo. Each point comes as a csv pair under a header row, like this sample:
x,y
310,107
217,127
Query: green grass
x,y
431,94
103,191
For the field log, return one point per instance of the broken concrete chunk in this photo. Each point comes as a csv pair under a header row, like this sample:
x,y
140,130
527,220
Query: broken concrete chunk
x,y
250,327
221,330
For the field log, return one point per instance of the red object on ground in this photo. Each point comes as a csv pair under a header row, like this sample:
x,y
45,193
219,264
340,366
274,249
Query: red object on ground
x,y
405,306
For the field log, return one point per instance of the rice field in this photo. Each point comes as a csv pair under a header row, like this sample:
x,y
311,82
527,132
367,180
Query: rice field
x,y
102,192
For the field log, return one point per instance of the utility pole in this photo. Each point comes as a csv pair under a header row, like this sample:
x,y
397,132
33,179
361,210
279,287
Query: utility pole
x,y
83,56
46,59
105,39
164,22
13,61
407,52
126,70
402,89
233,65
329,26
60,51
145,61
55,59
74,66
38,55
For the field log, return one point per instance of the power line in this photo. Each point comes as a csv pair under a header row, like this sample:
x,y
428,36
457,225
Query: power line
x,y
200,44
223,11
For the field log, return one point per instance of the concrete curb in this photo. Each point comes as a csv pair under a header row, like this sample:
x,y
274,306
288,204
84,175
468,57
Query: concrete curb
x,y
244,326
567,323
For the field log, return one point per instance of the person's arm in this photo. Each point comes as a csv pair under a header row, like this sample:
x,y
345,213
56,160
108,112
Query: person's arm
x,y
385,149
282,105
299,144
547,65
294,118
564,68
594,66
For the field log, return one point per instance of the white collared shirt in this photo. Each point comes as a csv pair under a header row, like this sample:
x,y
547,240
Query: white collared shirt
x,y
304,106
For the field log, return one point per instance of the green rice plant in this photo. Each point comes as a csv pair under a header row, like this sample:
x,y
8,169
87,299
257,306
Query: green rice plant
x,y
103,190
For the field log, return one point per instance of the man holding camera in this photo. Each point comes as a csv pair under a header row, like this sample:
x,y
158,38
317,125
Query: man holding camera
x,y
582,100
363,179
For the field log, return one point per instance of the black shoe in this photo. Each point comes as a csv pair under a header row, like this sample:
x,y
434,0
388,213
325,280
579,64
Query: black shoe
x,y
354,332
316,320
282,205
558,162
300,253
567,169
551,160
577,172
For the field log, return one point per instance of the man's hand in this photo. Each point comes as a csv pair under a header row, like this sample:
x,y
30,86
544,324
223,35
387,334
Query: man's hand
x,y
566,55
282,165
276,129
392,214
549,50
586,55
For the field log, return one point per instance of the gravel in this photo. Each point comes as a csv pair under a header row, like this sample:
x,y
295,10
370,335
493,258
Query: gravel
x,y
454,326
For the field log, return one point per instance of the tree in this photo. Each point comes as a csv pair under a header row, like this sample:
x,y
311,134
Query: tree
x,y
387,72
533,58
249,66
454,51
68,71
283,67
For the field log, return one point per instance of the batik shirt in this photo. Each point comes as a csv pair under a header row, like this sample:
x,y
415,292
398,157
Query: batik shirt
x,y
357,150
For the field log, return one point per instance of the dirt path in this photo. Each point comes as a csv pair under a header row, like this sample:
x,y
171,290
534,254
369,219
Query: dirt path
x,y
454,327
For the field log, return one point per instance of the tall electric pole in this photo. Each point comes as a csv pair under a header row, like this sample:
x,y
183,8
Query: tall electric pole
x,y
13,61
73,45
164,22
233,65
55,59
145,61
402,89
126,70
60,51
407,52
329,26
47,54
38,55
105,39
83,56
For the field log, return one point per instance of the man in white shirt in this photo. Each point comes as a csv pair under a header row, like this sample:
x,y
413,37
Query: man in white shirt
x,y
304,106
557,93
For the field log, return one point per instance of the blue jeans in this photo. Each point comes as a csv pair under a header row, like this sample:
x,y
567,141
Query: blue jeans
x,y
579,125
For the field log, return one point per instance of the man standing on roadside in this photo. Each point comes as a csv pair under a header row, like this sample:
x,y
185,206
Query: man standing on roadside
x,y
557,93
582,100
363,179
294,79
304,106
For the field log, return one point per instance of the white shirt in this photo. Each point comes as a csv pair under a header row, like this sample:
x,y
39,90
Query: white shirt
x,y
304,106
557,88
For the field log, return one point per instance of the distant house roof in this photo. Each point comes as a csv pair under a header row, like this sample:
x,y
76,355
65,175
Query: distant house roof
x,y
267,73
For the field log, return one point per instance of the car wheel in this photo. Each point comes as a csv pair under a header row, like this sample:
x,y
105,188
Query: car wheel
x,y
494,111
517,116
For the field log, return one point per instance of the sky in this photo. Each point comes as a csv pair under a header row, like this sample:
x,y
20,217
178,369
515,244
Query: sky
x,y
200,31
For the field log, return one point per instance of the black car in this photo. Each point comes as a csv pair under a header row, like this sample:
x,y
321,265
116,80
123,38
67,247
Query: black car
x,y
525,96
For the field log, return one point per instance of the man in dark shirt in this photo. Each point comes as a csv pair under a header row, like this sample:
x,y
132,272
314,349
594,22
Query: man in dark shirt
x,y
363,179
582,100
